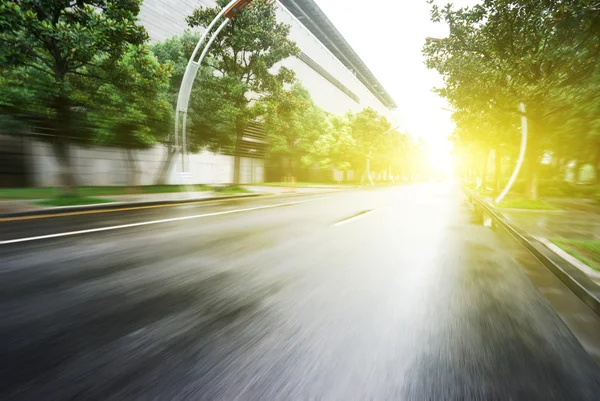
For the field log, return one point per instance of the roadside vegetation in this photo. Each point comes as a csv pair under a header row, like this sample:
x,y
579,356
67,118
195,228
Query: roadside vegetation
x,y
95,195
50,192
69,200
231,190
542,54
84,73
587,251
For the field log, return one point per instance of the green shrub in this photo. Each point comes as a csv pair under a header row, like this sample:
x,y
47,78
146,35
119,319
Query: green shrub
x,y
71,201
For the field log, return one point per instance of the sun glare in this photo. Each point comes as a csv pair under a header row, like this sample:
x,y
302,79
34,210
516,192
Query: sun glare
x,y
440,155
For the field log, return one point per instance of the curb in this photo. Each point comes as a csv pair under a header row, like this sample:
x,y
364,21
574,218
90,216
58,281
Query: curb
x,y
579,283
120,205
593,274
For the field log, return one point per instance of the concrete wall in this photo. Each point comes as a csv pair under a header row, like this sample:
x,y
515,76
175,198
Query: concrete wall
x,y
109,166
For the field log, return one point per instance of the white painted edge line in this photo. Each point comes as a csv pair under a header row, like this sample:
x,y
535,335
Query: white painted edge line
x,y
572,260
348,220
147,223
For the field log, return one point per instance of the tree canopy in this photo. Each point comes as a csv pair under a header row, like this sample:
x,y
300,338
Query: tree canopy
x,y
83,72
504,52
55,55
246,55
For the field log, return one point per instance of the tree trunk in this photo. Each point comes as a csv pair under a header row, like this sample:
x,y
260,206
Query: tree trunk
x,y
476,169
576,169
236,167
484,169
369,169
532,172
133,172
597,166
532,182
556,164
60,145
535,132
161,179
498,170
237,160
282,169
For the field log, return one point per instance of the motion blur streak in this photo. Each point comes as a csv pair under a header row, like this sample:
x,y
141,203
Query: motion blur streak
x,y
123,209
410,303
145,223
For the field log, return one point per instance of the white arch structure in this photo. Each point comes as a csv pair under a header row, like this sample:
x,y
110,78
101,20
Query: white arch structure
x,y
183,99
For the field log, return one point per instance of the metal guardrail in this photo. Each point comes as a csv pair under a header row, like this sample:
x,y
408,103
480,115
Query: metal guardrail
x,y
570,275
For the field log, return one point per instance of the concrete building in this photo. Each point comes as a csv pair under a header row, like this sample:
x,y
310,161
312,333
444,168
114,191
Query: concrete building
x,y
333,73
336,77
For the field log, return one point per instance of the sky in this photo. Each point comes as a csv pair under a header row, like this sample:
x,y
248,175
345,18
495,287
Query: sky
x,y
388,35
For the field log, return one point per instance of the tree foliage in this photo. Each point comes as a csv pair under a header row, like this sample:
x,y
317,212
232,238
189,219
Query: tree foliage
x,y
245,55
211,112
132,110
55,53
82,71
303,135
294,125
503,52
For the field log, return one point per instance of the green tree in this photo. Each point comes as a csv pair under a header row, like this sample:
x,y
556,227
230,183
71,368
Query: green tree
x,y
503,52
244,55
336,147
51,43
294,126
133,109
211,112
368,130
395,153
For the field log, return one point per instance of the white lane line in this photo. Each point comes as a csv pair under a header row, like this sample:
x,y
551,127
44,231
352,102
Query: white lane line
x,y
353,218
147,223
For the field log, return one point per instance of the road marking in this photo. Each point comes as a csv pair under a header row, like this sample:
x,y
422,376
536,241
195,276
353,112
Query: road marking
x,y
147,223
355,217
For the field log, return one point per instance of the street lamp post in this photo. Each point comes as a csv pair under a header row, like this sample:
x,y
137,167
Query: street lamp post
x,y
229,11
389,166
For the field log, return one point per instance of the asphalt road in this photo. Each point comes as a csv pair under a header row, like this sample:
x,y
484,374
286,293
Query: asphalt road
x,y
280,299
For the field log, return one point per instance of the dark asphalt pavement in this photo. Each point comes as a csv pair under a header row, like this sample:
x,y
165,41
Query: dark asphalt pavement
x,y
409,301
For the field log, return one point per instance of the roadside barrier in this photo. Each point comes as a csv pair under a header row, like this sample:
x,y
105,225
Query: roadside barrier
x,y
575,279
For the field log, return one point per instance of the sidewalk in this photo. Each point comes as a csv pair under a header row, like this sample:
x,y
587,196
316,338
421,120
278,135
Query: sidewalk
x,y
27,205
272,189
569,224
584,205
13,206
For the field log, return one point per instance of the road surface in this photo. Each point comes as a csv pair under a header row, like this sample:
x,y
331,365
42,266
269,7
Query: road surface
x,y
384,294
